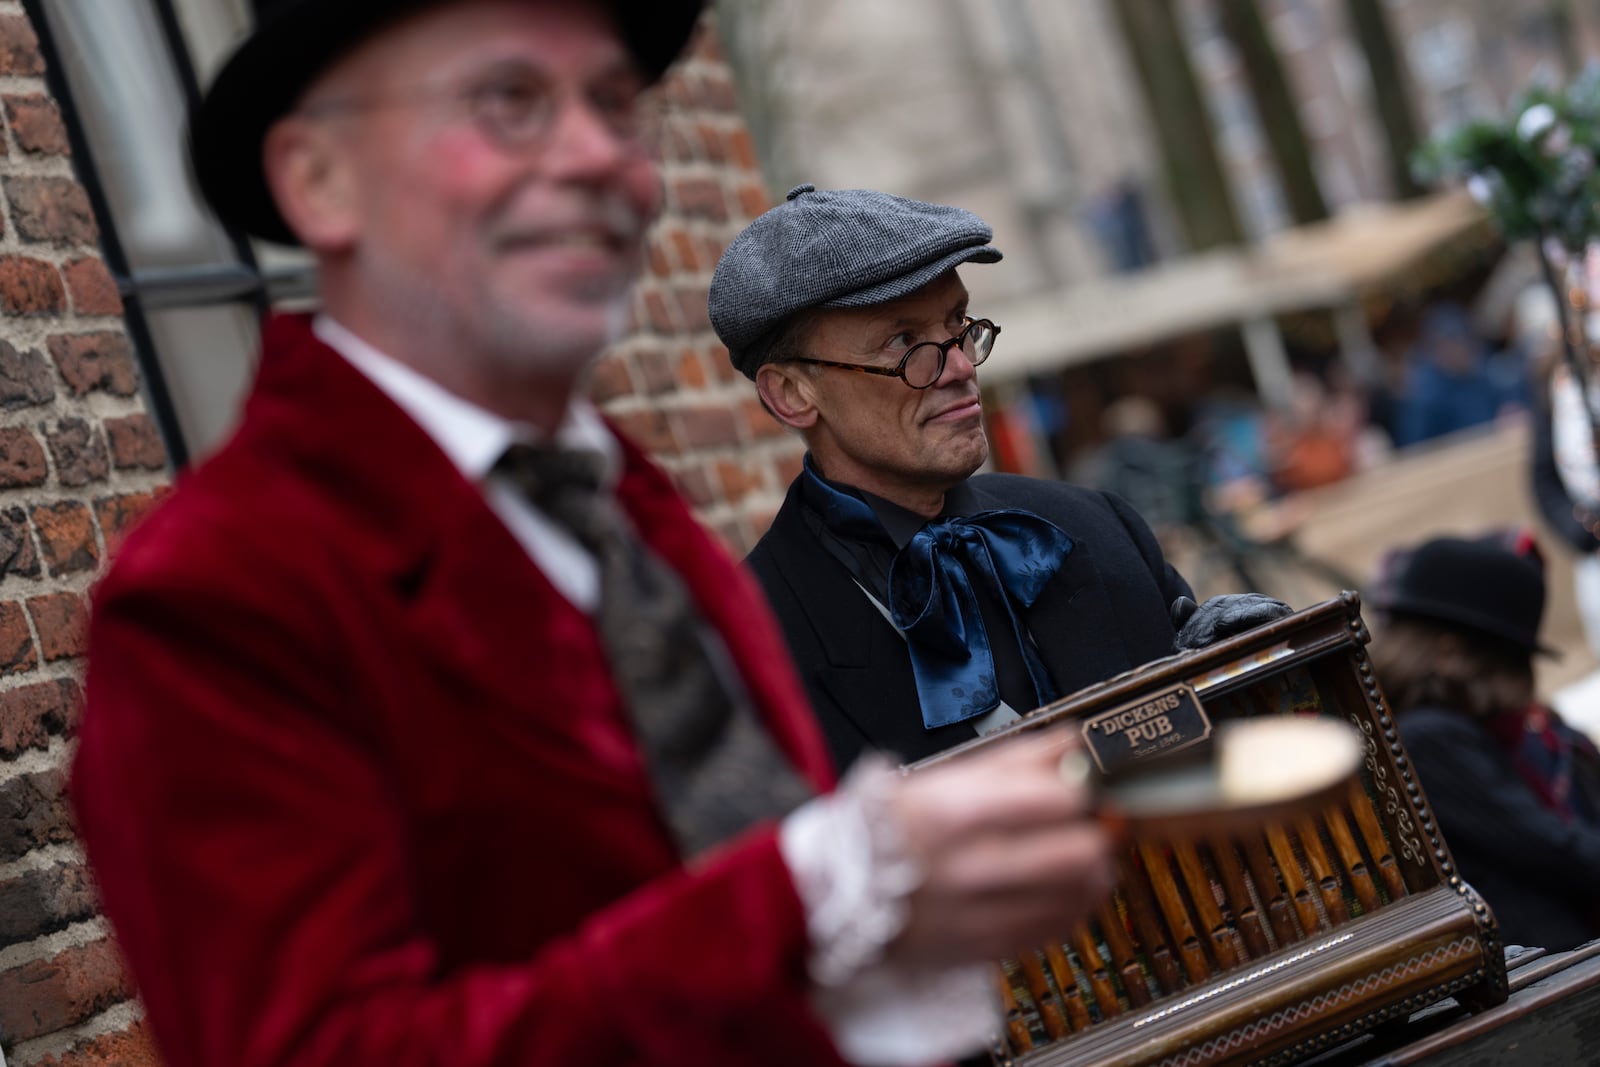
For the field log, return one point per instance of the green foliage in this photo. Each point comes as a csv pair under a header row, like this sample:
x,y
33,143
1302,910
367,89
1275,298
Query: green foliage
x,y
1535,170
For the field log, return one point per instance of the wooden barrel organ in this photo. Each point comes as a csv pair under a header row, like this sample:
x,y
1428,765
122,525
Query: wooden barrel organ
x,y
1269,945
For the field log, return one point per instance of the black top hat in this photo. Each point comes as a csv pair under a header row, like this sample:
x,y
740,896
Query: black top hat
x,y
1479,585
296,40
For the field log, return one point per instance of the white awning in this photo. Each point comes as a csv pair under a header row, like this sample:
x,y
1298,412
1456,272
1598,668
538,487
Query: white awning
x,y
1326,265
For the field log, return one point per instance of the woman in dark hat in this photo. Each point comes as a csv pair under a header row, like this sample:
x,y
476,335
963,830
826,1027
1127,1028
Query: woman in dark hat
x,y
1515,791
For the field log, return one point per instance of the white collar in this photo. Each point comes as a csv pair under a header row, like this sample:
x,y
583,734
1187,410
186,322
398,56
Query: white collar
x,y
472,437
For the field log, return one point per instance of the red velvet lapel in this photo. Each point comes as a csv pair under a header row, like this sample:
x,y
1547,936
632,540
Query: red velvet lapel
x,y
464,579
732,602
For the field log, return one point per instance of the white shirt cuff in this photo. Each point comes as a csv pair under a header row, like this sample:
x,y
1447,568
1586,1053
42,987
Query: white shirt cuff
x,y
854,876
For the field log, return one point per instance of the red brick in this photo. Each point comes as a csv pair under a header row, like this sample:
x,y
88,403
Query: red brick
x,y
789,466
610,379
675,89
752,199
683,248
30,714
17,554
716,90
96,361
649,429
660,264
737,481
66,536
695,485
656,312
707,427
36,903
675,144
25,378
691,371
62,620
92,288
125,1048
118,515
711,146
52,211
758,421
710,249
36,122
17,653
699,198
135,442
656,372
44,996
19,48
33,813
695,93
30,287
78,450
721,365
742,148
22,462
693,312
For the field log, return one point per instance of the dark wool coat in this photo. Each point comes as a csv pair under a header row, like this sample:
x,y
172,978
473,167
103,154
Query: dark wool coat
x,y
1106,611
1539,873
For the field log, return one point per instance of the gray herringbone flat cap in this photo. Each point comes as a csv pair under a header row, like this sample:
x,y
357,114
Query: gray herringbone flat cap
x,y
833,248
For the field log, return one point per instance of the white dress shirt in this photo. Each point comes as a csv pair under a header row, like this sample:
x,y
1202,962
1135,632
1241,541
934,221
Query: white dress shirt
x,y
474,439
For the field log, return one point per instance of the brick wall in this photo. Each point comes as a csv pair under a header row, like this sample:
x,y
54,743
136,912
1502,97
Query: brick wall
x,y
670,385
80,460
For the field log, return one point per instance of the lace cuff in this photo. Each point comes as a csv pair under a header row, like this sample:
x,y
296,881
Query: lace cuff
x,y
852,871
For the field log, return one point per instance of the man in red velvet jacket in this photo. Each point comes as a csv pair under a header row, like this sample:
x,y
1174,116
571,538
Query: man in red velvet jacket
x,y
355,776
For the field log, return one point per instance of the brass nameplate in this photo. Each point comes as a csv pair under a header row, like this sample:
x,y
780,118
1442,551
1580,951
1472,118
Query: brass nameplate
x,y
1153,726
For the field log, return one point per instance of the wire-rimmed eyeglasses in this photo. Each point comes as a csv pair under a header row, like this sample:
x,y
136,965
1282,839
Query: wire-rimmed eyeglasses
x,y
923,363
516,106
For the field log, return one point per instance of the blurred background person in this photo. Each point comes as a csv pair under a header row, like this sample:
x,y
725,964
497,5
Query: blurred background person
x,y
1515,790
1449,386
1563,472
1142,463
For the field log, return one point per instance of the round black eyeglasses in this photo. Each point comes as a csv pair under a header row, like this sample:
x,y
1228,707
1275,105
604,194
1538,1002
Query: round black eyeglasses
x,y
923,364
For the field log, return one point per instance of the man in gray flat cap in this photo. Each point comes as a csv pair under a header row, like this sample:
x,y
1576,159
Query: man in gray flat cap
x,y
924,604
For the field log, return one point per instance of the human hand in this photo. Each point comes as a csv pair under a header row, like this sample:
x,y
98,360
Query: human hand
x,y
1222,616
1010,854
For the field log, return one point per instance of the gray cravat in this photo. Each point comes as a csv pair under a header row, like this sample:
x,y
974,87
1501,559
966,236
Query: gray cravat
x,y
715,768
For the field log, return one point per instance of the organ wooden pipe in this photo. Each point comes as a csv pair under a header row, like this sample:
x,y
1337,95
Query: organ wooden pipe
x,y
1094,969
1190,951
1134,983
1355,863
1205,904
1245,914
1325,873
1016,1026
1293,879
1377,844
1274,893
1055,1024
1142,910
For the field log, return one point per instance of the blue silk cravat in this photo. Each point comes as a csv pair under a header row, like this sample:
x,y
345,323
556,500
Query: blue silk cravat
x,y
1011,553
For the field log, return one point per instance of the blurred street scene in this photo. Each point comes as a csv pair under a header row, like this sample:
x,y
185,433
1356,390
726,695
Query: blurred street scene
x,y
1226,295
